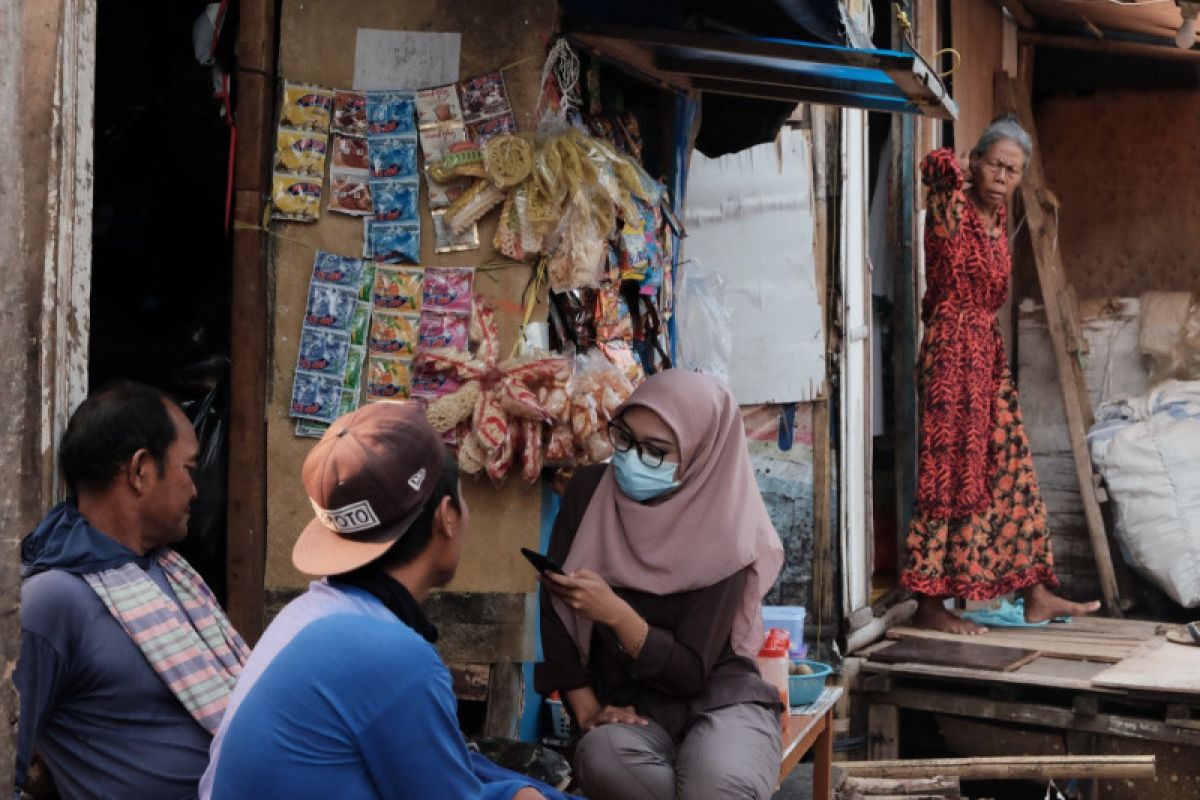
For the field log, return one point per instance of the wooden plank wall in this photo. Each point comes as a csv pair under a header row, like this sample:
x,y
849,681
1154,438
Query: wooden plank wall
x,y
317,40
977,33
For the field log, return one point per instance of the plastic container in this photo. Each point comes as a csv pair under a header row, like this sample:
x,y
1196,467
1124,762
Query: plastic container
x,y
560,721
805,689
790,619
773,662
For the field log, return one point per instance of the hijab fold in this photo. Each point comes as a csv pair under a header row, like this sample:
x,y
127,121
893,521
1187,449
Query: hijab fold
x,y
712,527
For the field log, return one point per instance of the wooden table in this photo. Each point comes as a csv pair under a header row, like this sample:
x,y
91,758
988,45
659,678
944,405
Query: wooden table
x,y
811,730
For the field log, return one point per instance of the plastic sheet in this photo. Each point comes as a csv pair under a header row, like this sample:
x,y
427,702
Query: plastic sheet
x,y
705,325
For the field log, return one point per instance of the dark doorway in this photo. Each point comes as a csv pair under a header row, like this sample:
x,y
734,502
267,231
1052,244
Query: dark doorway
x,y
161,252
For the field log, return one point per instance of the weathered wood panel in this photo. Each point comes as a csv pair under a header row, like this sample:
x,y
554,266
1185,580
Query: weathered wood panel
x,y
317,43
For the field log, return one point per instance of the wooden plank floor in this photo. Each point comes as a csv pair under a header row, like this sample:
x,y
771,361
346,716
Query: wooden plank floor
x,y
1087,639
1094,654
1160,667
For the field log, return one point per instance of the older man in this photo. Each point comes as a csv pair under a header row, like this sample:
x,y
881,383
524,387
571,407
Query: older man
x,y
127,661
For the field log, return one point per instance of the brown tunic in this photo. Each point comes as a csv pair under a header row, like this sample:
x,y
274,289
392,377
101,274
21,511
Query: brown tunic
x,y
687,665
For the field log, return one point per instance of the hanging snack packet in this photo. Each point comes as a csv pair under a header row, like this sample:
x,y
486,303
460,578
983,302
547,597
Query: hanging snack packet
x,y
388,378
436,143
448,289
428,384
350,193
350,112
391,112
393,334
443,330
398,289
462,160
487,129
349,152
343,271
330,307
393,156
392,242
446,241
296,197
477,201
323,351
438,106
395,199
484,96
300,152
352,377
306,107
316,397
360,324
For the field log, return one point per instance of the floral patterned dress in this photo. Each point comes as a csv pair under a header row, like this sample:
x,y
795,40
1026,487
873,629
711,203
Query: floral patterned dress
x,y
979,526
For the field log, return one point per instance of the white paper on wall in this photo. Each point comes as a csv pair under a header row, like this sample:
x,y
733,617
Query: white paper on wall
x,y
749,220
405,60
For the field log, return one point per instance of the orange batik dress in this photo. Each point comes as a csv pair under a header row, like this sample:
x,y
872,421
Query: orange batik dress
x,y
979,525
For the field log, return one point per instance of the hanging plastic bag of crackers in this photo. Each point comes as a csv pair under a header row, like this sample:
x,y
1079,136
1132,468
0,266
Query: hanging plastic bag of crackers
x,y
598,390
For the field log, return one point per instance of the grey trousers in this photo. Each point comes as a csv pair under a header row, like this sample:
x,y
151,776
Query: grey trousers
x,y
731,752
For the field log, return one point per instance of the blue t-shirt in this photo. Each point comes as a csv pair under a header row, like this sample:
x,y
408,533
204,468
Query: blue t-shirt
x,y
95,710
352,707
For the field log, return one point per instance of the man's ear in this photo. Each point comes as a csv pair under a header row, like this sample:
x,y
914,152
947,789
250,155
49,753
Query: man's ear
x,y
138,470
446,518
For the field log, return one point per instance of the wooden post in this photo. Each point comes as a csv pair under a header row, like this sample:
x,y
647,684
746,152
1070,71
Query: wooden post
x,y
1041,213
19,500
250,316
883,732
506,700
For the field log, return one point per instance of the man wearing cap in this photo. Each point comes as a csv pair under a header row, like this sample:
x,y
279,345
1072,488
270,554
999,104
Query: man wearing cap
x,y
345,695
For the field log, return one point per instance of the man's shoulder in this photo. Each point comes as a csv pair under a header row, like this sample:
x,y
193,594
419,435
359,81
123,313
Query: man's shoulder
x,y
58,606
360,646
56,591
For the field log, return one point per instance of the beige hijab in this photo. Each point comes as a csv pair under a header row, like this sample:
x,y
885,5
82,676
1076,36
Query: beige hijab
x,y
710,528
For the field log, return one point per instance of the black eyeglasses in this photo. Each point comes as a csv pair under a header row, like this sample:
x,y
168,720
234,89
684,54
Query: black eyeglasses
x,y
623,441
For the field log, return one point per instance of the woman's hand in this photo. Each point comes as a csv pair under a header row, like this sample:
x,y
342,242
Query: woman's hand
x,y
529,793
587,594
612,715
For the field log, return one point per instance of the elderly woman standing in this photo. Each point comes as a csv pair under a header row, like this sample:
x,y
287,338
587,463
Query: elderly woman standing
x,y
979,527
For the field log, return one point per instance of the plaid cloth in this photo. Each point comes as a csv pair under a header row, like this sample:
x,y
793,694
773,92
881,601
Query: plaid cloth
x,y
194,649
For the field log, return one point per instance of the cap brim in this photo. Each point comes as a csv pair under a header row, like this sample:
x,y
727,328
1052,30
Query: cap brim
x,y
320,551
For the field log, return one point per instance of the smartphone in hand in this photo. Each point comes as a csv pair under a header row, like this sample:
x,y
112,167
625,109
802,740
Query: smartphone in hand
x,y
540,562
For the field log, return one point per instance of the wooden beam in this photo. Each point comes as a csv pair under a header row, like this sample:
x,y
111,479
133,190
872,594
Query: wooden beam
x,y
807,94
1044,716
1034,768
726,71
1019,12
250,316
1041,214
1164,52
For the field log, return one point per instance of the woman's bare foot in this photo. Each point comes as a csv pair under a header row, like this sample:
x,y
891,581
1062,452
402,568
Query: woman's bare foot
x,y
933,615
1041,604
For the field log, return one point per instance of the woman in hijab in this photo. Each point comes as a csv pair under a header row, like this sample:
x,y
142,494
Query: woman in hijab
x,y
651,635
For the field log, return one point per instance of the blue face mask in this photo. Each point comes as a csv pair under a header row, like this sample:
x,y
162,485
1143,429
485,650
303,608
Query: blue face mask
x,y
640,482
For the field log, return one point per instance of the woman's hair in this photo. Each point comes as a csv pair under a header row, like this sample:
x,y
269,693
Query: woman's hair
x,y
1004,128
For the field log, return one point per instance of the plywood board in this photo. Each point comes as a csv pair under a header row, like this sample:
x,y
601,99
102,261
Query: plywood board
x,y
1053,640
954,654
1160,666
1046,671
317,45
